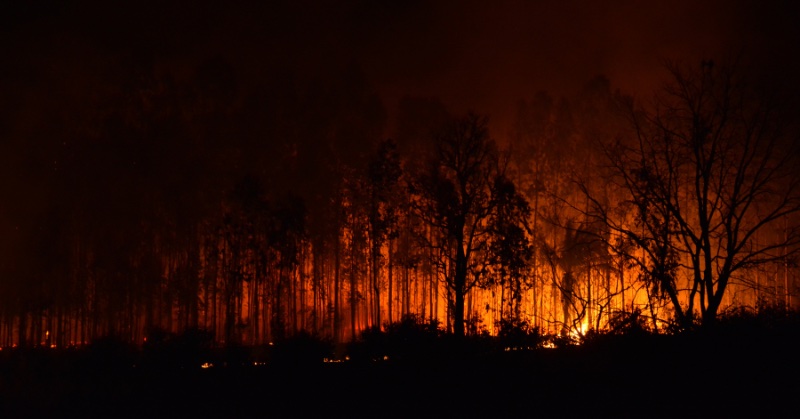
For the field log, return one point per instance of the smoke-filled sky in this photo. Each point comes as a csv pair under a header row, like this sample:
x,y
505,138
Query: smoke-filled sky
x,y
475,55
299,70
114,111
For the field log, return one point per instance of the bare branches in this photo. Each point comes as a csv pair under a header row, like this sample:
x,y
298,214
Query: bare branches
x,y
704,172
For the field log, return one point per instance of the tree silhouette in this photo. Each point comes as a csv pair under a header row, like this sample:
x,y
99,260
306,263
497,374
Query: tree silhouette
x,y
383,178
455,191
709,167
510,245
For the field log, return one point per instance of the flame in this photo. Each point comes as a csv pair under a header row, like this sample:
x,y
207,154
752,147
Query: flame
x,y
577,333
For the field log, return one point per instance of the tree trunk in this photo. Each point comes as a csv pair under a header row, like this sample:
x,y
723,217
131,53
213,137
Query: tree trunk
x,y
459,285
336,286
352,295
389,280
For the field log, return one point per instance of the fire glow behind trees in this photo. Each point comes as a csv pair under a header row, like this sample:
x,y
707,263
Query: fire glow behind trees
x,y
258,172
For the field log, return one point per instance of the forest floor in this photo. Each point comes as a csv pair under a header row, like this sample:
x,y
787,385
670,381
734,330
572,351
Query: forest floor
x,y
653,379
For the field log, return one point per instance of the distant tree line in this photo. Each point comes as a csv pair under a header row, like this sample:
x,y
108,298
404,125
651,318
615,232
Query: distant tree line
x,y
260,213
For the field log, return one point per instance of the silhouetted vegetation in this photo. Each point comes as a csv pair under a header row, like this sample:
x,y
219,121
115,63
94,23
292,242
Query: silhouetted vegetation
x,y
220,209
413,359
582,218
408,340
517,334
301,349
190,349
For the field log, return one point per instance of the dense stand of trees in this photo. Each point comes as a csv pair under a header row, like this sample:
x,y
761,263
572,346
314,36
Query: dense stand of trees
x,y
176,205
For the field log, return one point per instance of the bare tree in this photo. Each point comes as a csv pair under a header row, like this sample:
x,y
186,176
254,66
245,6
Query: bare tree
x,y
709,166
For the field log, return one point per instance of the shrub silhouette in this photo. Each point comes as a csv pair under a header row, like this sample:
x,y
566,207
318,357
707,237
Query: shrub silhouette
x,y
189,349
411,338
301,349
109,354
516,334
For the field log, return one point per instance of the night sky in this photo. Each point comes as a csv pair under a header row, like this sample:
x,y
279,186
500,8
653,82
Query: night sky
x,y
296,71
483,56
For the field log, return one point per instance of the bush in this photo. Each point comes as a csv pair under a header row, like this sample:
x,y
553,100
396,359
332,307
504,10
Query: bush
x,y
109,354
301,349
409,339
516,334
164,350
628,323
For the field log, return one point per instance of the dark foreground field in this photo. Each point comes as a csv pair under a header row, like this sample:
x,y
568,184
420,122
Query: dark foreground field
x,y
655,376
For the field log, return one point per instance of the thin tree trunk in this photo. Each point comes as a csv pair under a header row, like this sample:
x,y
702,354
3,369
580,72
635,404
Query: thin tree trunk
x,y
336,287
390,284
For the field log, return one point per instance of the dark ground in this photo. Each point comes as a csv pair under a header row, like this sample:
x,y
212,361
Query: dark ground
x,y
654,377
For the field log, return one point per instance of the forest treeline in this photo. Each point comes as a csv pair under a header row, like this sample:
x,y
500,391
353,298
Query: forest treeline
x,y
160,202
